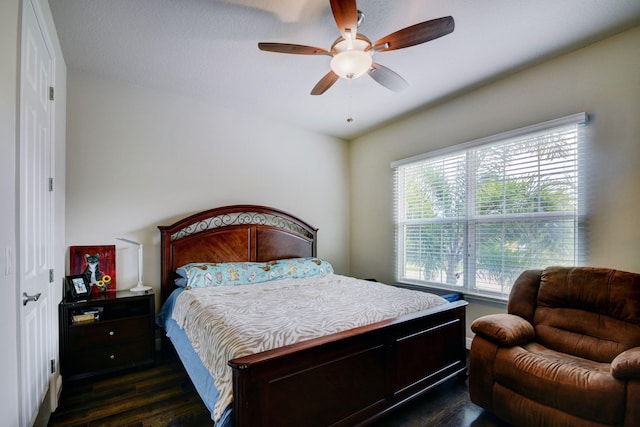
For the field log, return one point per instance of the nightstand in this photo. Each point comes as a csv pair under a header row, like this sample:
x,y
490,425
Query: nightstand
x,y
106,332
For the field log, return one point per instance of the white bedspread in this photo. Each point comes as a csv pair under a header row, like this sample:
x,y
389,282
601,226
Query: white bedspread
x,y
233,321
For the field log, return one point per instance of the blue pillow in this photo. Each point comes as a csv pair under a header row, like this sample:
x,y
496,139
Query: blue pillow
x,y
204,275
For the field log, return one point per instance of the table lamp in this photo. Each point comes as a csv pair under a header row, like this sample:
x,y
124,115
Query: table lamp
x,y
139,287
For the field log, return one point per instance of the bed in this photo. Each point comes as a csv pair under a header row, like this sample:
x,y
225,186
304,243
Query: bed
x,y
345,378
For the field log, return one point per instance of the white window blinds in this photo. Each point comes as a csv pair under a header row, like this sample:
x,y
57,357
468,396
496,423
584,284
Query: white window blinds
x,y
471,218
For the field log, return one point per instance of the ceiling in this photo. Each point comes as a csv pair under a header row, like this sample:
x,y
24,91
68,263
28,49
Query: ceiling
x,y
207,49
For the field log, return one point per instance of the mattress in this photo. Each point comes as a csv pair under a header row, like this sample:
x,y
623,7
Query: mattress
x,y
225,322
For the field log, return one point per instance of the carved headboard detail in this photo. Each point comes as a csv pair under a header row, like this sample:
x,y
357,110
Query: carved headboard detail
x,y
231,234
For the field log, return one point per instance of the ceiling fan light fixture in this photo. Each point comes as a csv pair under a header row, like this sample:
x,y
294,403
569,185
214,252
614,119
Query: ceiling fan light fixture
x,y
352,53
351,64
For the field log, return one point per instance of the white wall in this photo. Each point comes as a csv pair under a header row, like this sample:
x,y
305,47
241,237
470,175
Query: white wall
x,y
9,301
139,158
602,79
10,17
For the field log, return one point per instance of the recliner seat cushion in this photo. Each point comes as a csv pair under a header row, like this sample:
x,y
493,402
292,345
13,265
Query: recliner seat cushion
x,y
584,334
577,386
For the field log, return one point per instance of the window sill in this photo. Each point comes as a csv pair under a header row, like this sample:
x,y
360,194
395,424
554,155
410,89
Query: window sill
x,y
498,302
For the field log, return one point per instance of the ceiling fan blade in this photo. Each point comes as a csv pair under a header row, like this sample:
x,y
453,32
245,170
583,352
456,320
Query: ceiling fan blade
x,y
416,34
325,83
292,48
387,78
345,13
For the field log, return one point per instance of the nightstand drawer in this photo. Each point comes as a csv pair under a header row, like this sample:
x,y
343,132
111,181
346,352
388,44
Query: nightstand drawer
x,y
109,357
123,337
101,333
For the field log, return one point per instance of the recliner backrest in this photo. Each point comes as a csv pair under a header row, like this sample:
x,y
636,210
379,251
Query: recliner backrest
x,y
588,312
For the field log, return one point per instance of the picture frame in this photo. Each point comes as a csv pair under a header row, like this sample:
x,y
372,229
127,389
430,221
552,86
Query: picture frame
x,y
78,286
95,263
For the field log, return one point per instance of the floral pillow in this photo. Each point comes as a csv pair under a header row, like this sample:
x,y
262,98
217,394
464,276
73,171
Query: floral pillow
x,y
204,275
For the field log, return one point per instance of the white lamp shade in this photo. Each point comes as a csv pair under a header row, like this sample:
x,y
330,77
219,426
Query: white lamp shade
x,y
351,64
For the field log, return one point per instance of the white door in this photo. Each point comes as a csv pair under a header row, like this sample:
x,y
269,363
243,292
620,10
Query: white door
x,y
34,217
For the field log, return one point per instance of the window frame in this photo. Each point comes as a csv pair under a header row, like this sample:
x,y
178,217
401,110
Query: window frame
x,y
471,222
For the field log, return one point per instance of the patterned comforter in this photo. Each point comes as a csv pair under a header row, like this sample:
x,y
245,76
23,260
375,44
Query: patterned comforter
x,y
224,323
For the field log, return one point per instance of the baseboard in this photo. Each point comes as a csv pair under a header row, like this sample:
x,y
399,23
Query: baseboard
x,y
44,411
58,390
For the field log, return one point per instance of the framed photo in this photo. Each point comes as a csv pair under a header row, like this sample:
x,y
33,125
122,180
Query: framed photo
x,y
96,263
78,286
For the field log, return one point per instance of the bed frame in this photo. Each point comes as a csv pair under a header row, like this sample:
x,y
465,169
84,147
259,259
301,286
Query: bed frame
x,y
343,379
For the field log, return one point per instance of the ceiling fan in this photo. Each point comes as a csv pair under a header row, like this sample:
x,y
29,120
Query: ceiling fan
x,y
352,53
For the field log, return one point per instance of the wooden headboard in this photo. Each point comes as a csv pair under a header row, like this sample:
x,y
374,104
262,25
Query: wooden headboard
x,y
231,234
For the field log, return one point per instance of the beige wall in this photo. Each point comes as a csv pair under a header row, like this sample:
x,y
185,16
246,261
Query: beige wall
x,y
139,158
602,79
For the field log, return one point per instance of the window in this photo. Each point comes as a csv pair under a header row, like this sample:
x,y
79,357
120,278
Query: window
x,y
472,217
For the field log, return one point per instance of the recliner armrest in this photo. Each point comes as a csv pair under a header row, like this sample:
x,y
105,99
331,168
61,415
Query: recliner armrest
x,y
626,365
504,329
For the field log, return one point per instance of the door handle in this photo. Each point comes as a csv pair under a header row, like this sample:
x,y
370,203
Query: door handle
x,y
26,298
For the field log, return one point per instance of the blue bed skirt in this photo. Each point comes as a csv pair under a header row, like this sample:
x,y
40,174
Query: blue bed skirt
x,y
200,376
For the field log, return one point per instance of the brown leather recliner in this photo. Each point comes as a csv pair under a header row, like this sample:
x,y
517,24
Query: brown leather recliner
x,y
566,353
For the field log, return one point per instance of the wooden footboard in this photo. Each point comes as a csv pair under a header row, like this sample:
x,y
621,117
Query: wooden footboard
x,y
350,378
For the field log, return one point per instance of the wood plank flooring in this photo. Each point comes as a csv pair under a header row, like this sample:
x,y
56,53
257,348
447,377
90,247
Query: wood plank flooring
x,y
163,396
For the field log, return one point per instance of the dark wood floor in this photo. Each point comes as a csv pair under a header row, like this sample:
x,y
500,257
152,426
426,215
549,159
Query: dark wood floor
x,y
163,395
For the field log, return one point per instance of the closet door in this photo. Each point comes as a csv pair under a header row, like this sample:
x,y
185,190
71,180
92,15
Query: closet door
x,y
34,216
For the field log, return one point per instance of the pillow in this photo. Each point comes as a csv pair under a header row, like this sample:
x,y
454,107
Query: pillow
x,y
297,268
204,275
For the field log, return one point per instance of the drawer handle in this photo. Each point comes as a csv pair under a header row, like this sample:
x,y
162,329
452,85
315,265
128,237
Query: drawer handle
x,y
112,357
111,333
